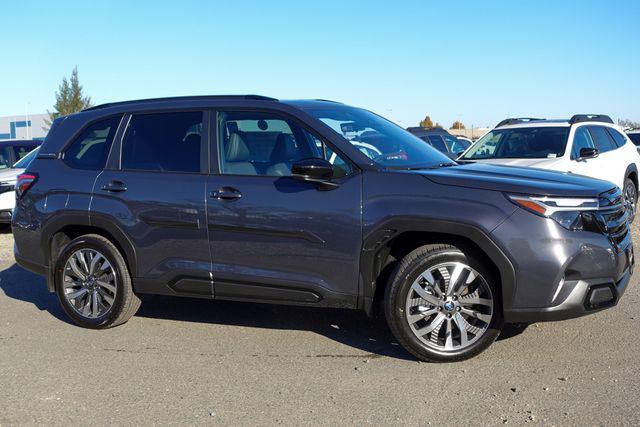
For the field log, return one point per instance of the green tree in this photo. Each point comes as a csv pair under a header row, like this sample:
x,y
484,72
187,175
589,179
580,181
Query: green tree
x,y
426,122
69,98
457,125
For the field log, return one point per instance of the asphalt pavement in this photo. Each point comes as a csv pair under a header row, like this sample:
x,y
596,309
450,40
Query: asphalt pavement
x,y
187,361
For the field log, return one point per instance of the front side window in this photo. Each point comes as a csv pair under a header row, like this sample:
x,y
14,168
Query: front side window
x,y
163,142
382,141
582,139
520,143
91,148
602,139
257,143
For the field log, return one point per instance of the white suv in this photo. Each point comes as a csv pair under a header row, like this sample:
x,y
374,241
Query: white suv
x,y
588,145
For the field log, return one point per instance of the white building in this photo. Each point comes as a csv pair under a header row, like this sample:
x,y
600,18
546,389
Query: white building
x,y
23,127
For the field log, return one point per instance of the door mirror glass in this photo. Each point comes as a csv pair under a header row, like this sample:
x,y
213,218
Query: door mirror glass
x,y
588,153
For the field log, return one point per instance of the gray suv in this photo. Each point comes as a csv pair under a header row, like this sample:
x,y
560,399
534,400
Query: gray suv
x,y
312,203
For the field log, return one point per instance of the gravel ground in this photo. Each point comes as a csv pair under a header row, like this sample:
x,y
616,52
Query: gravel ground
x,y
201,362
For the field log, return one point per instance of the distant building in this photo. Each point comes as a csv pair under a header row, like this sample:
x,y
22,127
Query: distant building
x,y
471,133
23,127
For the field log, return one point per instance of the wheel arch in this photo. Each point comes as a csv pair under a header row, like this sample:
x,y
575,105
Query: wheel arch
x,y
60,232
632,172
391,241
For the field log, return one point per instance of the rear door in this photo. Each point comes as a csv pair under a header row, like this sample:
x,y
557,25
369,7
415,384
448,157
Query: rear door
x,y
274,238
153,192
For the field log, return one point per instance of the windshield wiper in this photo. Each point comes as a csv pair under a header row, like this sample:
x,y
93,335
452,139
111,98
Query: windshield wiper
x,y
438,166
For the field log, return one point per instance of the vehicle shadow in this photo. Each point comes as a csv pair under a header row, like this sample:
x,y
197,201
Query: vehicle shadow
x,y
349,327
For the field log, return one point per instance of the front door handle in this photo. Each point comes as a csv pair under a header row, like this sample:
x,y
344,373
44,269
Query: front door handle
x,y
115,187
226,193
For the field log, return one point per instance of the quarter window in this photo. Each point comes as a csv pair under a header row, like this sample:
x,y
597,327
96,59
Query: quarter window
x,y
617,137
91,148
169,142
602,139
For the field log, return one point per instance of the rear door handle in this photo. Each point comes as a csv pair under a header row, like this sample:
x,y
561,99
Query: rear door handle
x,y
115,187
226,193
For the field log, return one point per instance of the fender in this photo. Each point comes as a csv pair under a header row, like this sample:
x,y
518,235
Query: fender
x,y
58,223
375,249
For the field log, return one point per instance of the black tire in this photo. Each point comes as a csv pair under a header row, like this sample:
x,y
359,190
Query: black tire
x,y
125,304
400,282
630,186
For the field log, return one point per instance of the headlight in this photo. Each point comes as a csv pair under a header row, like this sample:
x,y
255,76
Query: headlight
x,y
566,211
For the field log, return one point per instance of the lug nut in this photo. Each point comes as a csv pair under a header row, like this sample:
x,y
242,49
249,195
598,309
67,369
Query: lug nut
x,y
449,315
458,308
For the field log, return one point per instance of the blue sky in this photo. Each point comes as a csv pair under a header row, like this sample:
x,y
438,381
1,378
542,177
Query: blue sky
x,y
477,61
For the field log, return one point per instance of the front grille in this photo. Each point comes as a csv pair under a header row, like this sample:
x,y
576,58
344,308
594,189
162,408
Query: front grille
x,y
612,217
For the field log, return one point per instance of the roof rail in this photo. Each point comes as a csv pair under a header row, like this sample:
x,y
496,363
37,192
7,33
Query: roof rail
x,y
515,120
579,118
178,98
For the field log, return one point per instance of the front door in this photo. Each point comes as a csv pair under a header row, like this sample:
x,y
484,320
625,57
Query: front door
x,y
156,198
604,165
274,238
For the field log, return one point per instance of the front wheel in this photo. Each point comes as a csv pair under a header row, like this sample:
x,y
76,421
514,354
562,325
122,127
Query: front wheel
x,y
443,305
630,198
93,283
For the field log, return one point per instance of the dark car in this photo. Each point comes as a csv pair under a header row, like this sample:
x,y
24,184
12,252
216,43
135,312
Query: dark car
x,y
13,150
312,203
441,140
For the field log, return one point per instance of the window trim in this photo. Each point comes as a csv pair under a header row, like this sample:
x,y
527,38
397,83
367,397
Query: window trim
x,y
204,141
215,143
76,135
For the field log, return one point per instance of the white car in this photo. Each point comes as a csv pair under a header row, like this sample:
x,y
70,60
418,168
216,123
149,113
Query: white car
x,y
8,178
590,145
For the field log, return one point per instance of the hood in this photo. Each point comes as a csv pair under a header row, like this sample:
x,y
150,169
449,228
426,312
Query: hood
x,y
513,179
10,175
545,163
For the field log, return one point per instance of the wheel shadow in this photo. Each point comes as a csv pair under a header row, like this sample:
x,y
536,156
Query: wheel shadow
x,y
348,327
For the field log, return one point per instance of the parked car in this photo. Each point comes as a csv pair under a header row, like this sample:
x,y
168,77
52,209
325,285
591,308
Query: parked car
x,y
8,178
13,150
586,144
634,136
253,199
441,140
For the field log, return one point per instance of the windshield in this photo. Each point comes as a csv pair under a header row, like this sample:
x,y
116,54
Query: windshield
x,y
24,162
520,143
382,141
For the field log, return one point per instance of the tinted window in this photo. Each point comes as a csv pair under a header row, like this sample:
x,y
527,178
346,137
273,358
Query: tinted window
x,y
602,139
24,162
635,138
437,142
91,148
169,142
581,139
455,145
254,143
20,151
619,139
5,158
521,143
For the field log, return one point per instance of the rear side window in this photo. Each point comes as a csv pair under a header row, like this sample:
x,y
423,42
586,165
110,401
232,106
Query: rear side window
x,y
169,142
635,138
617,137
602,139
91,149
20,151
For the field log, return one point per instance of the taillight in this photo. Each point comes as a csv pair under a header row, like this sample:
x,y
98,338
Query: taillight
x,y
25,182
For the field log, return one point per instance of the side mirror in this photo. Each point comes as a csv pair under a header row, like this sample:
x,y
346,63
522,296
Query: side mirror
x,y
316,170
588,153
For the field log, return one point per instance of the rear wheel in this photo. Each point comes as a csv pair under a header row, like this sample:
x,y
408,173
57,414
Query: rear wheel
x,y
442,305
93,283
630,197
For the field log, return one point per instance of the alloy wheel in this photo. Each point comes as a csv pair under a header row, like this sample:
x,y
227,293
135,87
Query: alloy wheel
x,y
630,200
449,306
89,283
